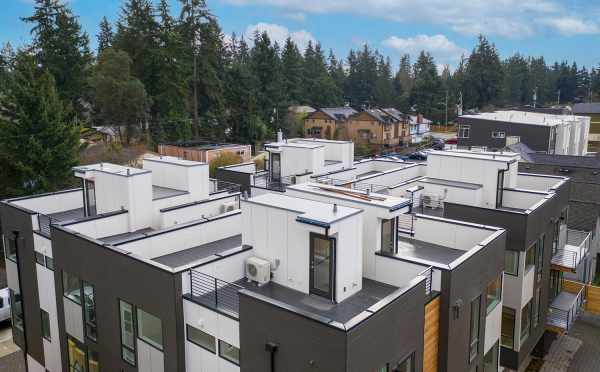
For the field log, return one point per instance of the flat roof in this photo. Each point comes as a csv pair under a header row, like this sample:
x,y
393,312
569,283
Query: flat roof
x,y
525,117
371,293
443,182
309,211
200,252
427,253
121,238
173,160
159,192
338,192
110,168
507,157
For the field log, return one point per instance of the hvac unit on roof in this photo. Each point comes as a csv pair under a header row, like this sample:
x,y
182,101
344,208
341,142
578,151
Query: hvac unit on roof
x,y
228,206
431,201
258,270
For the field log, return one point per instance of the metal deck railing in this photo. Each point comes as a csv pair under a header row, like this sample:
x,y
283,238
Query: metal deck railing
x,y
217,186
428,274
215,293
264,180
579,243
563,318
44,222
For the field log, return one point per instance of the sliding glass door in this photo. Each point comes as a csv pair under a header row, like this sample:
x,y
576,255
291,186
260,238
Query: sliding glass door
x,y
322,265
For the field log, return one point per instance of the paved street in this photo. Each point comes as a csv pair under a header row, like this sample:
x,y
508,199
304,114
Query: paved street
x,y
587,358
11,358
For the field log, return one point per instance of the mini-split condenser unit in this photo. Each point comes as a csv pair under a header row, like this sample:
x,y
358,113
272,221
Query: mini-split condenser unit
x,y
228,207
258,270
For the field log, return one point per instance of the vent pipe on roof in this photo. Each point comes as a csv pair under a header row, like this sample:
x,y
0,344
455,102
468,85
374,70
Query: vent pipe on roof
x,y
335,208
279,135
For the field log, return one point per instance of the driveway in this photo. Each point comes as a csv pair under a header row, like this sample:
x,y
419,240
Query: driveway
x,y
587,357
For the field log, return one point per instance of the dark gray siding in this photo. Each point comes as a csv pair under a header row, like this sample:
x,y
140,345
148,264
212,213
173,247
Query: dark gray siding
x,y
463,284
537,137
304,344
15,219
116,276
242,179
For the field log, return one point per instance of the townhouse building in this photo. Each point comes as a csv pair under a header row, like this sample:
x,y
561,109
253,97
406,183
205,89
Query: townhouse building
x,y
487,188
551,134
324,122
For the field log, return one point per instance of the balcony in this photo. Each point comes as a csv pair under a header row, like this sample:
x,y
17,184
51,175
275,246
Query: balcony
x,y
214,293
566,306
218,186
576,248
45,220
264,180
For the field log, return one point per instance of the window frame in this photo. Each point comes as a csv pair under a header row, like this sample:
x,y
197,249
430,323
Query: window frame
x,y
474,322
394,234
132,349
187,336
496,356
227,358
536,311
11,257
464,128
514,326
87,322
78,302
45,321
498,300
498,134
146,339
533,251
39,257
13,296
540,257
528,307
517,264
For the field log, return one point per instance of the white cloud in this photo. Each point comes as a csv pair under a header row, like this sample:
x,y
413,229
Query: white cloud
x,y
509,18
296,16
442,49
572,25
279,34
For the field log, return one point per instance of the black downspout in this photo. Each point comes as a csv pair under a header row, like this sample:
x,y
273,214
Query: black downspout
x,y
271,347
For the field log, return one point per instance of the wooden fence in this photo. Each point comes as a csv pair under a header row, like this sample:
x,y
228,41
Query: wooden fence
x,y
592,294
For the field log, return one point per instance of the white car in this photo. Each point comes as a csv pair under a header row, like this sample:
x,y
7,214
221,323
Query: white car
x,y
4,305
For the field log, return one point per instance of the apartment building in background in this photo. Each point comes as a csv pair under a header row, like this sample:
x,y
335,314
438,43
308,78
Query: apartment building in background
x,y
547,133
324,122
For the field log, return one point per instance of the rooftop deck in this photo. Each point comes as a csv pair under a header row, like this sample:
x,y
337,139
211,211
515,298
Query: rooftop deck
x,y
45,221
120,238
159,192
198,253
427,253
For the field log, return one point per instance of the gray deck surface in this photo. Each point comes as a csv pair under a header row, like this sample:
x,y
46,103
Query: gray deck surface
x,y
411,248
564,301
113,239
342,312
159,192
69,215
199,252
331,162
464,185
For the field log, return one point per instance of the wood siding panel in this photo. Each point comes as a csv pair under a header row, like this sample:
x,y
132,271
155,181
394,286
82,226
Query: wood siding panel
x,y
593,299
431,336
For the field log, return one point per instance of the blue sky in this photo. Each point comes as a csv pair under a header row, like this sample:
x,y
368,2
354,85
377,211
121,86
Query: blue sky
x,y
555,29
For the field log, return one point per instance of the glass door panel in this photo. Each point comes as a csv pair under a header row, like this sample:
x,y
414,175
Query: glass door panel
x,y
322,257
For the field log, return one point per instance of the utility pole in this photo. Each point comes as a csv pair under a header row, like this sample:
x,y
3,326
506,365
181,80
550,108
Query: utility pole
x,y
535,92
590,89
195,71
558,102
459,107
446,107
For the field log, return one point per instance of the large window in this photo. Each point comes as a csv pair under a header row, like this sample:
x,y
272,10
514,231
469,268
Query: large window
x,y
540,257
536,307
530,256
507,338
388,236
94,361
407,365
149,329
525,322
229,352
127,333
91,329
16,310
494,294
490,361
511,262
464,131
90,198
200,338
71,287
77,359
474,338
45,325
11,248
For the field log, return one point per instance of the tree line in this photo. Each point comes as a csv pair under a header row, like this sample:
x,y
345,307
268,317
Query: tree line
x,y
159,76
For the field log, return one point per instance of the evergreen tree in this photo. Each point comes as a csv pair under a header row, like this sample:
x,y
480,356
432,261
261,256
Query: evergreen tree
x,y
427,95
7,59
292,71
403,83
483,75
120,100
517,89
105,36
39,146
337,73
319,87
384,94
62,48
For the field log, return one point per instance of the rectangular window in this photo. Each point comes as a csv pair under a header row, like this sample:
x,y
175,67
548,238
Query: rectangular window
x,y
229,352
530,256
498,134
16,310
71,287
474,338
91,330
490,361
149,329
507,338
407,365
388,236
77,359
540,257
11,248
525,322
494,294
385,368
536,307
39,258
200,338
50,263
93,361
511,262
127,332
45,325
464,131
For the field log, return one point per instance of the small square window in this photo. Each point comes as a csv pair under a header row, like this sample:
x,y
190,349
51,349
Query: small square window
x,y
71,287
39,258
45,325
229,352
201,338
50,263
